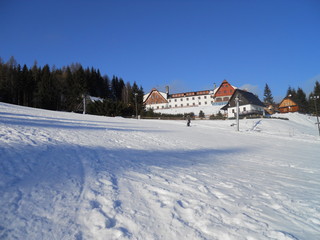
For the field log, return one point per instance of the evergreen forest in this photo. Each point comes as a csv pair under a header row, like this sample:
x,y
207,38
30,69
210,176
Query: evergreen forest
x,y
64,89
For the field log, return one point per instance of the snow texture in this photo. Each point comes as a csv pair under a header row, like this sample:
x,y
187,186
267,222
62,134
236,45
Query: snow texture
x,y
74,176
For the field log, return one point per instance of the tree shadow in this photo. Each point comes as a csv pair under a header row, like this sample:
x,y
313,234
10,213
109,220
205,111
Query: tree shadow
x,y
47,163
69,124
37,182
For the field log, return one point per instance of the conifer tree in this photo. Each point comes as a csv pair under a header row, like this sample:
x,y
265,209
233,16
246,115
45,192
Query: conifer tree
x,y
291,92
301,100
312,102
268,98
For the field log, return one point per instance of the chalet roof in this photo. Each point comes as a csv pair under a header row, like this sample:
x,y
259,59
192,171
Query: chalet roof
x,y
216,90
289,101
146,96
245,99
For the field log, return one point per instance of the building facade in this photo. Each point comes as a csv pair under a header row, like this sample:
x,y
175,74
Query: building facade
x,y
249,104
288,105
160,100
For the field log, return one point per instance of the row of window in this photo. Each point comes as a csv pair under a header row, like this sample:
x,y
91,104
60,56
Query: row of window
x,y
193,104
193,98
244,109
190,94
225,91
225,99
181,105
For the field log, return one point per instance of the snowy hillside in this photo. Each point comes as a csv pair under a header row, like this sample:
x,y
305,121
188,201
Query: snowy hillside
x,y
73,176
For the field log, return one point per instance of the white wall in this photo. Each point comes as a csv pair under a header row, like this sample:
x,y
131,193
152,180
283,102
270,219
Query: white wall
x,y
189,101
244,108
157,106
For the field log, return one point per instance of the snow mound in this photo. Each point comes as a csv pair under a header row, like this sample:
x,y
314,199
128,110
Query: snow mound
x,y
74,176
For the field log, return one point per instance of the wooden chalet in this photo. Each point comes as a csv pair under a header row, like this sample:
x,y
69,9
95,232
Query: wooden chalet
x,y
288,105
155,97
249,104
223,93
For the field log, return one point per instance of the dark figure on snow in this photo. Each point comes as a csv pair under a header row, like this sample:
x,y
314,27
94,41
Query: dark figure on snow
x,y
188,120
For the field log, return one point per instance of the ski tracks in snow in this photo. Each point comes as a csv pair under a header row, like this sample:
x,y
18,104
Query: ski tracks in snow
x,y
43,182
99,205
126,179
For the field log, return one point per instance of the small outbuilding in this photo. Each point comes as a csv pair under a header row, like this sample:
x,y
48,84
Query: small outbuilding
x,y
249,104
288,105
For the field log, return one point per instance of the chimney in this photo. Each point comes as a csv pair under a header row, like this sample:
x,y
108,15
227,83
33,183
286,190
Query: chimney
x,y
167,91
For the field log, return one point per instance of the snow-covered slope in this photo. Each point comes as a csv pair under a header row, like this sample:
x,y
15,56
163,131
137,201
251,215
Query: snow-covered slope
x,y
73,176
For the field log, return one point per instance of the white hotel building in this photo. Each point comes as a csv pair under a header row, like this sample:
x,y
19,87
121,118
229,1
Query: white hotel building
x,y
157,100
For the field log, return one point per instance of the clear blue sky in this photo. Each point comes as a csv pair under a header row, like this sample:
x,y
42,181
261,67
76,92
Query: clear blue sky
x,y
186,44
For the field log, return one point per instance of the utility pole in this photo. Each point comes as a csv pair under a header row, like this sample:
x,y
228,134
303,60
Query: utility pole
x,y
135,99
84,103
237,104
315,105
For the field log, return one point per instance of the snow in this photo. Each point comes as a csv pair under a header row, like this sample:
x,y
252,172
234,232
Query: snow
x,y
207,110
73,176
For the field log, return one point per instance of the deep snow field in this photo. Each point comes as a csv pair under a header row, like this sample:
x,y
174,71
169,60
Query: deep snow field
x,y
74,176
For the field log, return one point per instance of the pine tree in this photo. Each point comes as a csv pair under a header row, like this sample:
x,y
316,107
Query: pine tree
x,y
301,100
47,94
116,88
268,98
312,102
291,92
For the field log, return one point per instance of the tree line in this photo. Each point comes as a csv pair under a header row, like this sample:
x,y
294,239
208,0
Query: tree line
x,y
306,104
63,89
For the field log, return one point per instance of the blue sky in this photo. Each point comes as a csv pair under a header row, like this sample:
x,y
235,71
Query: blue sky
x,y
186,44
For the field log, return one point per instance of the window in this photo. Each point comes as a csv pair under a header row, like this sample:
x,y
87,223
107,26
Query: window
x,y
169,106
169,100
199,103
232,110
187,99
181,105
205,97
187,104
162,107
176,105
192,98
199,97
181,99
205,102
175,100
193,104
244,109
